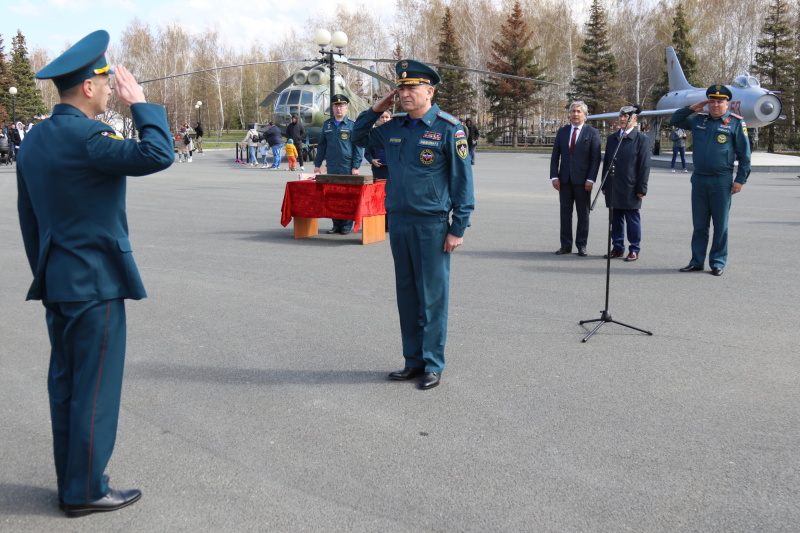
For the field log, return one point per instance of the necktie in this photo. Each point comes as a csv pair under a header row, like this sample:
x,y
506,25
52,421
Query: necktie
x,y
572,141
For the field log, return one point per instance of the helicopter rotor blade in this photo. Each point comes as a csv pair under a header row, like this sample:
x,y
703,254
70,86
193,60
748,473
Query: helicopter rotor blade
x,y
371,73
465,69
230,66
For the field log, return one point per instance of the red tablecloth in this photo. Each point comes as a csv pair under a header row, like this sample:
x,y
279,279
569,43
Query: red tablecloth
x,y
309,199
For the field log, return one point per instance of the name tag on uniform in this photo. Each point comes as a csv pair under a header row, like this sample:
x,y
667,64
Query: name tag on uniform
x,y
395,140
426,142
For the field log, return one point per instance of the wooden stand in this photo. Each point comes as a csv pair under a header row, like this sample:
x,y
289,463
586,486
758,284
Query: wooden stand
x,y
373,229
305,227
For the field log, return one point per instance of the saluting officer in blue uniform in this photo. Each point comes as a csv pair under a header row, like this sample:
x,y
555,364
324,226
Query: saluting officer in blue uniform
x,y
337,149
719,138
429,198
72,215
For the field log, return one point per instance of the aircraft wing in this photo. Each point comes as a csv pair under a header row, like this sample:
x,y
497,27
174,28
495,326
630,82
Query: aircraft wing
x,y
651,113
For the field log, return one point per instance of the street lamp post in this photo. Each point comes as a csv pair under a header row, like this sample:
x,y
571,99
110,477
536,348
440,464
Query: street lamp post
x,y
13,92
197,106
339,40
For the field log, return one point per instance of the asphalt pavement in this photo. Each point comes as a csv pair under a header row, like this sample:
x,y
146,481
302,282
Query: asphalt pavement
x,y
256,396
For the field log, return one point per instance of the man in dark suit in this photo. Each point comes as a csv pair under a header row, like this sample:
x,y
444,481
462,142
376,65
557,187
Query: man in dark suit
x,y
72,215
573,169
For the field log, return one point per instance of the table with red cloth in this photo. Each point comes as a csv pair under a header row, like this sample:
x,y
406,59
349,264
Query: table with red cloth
x,y
308,200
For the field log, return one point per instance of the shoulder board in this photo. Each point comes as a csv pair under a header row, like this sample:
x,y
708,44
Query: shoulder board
x,y
449,118
399,115
737,116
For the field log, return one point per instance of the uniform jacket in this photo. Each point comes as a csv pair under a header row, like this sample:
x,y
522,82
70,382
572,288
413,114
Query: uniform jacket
x,y
582,163
429,168
631,170
716,144
337,149
72,203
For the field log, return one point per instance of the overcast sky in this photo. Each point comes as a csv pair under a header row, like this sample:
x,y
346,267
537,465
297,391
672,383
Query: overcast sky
x,y
50,24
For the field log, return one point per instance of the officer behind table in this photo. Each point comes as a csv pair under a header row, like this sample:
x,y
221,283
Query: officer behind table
x,y
719,137
72,215
429,198
377,157
337,149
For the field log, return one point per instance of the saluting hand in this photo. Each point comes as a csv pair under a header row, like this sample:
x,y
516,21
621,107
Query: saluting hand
x,y
128,90
384,103
699,106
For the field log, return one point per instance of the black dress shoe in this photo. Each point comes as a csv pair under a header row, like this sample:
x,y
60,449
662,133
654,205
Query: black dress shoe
x,y
407,373
332,231
691,268
717,271
615,254
429,380
61,502
116,499
562,251
582,252
345,232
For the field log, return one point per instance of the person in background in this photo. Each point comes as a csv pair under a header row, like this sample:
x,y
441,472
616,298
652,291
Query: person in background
x,y
275,142
472,139
251,141
678,138
198,130
291,154
297,133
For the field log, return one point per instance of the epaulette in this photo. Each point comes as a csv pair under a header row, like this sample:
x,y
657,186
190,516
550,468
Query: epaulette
x,y
449,118
737,116
399,115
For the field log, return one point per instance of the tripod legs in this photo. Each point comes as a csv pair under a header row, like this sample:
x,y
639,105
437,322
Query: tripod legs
x,y
605,317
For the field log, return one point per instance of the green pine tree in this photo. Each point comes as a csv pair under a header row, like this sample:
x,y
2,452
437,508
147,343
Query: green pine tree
x,y
683,49
597,79
29,102
5,84
773,61
510,99
455,93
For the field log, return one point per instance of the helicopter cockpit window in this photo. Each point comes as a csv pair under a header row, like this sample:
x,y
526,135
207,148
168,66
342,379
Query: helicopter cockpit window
x,y
307,98
282,99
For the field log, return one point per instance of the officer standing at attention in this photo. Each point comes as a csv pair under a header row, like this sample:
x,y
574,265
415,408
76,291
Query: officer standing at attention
x,y
337,149
719,138
429,198
72,215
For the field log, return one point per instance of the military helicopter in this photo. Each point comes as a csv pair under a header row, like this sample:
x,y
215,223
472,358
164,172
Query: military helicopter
x,y
758,106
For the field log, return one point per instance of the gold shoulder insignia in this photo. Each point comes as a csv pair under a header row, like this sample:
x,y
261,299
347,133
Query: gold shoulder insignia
x,y
111,135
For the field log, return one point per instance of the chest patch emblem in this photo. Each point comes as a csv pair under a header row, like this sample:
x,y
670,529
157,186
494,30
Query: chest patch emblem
x,y
426,157
461,148
722,139
345,136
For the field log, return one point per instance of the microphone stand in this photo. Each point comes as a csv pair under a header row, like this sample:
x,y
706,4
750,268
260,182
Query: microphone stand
x,y
605,316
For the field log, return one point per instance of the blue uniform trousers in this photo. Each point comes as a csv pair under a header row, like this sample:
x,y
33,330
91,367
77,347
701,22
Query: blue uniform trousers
x,y
85,385
633,219
422,278
711,201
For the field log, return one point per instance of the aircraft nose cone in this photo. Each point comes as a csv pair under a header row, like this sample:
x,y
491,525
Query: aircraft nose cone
x,y
767,108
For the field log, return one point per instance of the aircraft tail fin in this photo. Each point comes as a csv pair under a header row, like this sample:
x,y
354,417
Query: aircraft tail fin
x,y
675,75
